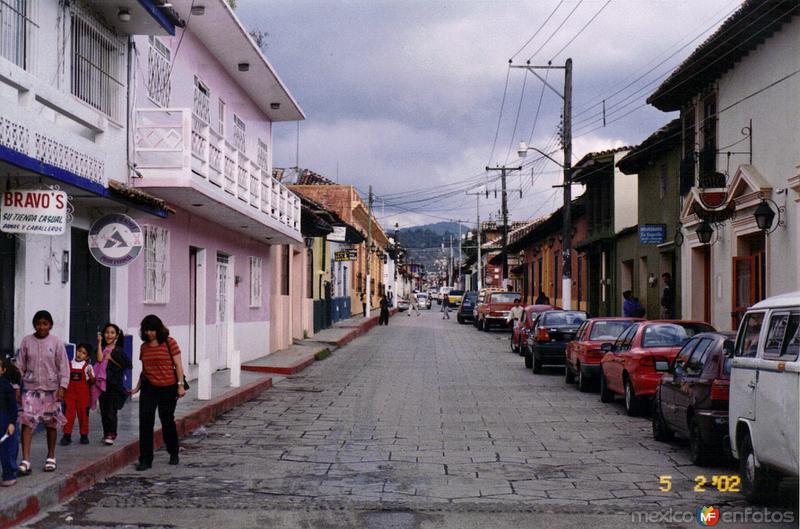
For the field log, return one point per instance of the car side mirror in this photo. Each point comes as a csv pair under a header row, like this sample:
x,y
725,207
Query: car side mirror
x,y
607,347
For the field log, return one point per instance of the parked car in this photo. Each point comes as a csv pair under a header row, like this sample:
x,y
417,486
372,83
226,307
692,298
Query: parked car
x,y
629,366
423,301
483,294
402,304
465,310
525,324
764,412
495,308
692,398
548,339
582,355
454,297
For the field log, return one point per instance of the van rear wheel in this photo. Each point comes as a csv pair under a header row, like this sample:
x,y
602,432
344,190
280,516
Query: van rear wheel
x,y
758,484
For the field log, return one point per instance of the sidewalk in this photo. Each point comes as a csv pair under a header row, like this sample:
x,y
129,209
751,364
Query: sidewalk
x,y
81,466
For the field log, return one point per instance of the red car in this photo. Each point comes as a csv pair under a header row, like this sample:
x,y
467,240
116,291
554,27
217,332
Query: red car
x,y
494,309
583,354
634,364
525,324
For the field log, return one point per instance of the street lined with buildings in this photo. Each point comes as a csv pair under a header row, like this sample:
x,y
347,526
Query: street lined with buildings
x,y
424,423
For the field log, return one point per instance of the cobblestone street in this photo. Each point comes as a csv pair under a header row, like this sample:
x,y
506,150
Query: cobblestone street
x,y
425,423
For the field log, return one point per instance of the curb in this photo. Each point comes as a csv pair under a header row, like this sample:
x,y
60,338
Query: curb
x,y
85,477
291,369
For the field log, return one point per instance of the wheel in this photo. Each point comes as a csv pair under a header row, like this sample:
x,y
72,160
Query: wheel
x,y
569,376
661,431
606,395
485,327
460,319
699,451
584,384
537,365
758,484
528,358
633,404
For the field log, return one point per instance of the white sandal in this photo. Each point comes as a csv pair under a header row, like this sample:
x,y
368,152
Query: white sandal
x,y
50,464
24,468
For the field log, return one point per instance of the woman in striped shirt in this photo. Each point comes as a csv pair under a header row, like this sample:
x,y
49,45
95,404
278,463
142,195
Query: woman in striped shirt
x,y
161,383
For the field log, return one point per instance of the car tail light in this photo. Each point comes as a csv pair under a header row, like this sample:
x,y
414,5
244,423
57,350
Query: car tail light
x,y
720,390
647,361
542,335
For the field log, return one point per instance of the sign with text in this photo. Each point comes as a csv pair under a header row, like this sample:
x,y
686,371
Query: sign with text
x,y
115,240
34,211
653,233
338,235
346,255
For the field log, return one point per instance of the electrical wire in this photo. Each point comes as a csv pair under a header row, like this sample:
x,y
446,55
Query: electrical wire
x,y
580,31
499,117
553,34
516,119
553,12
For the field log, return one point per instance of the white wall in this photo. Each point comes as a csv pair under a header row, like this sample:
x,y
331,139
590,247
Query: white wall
x,y
626,197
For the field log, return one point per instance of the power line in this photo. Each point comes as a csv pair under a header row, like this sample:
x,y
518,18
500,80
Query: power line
x,y
553,12
580,31
516,119
553,34
500,117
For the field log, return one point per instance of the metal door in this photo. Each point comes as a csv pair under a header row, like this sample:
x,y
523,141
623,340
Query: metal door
x,y
7,269
90,290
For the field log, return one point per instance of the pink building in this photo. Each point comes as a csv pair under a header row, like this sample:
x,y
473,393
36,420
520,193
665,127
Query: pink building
x,y
220,272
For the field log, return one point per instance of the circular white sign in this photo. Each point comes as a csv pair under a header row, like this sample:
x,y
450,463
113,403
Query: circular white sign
x,y
115,240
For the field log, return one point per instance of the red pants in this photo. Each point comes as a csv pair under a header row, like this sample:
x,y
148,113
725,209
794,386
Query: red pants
x,y
77,402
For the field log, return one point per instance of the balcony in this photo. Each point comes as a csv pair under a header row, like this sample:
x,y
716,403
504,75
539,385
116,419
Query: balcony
x,y
183,161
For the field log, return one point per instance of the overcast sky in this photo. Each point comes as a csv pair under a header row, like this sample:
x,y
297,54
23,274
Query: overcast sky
x,y
405,95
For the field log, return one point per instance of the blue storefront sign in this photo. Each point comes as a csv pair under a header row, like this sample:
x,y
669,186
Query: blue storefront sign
x,y
653,233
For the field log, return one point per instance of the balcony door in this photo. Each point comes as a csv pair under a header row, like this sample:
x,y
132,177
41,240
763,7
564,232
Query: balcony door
x,y
749,279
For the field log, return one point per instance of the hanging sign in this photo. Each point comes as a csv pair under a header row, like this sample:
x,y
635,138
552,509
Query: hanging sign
x,y
346,255
339,234
115,240
34,211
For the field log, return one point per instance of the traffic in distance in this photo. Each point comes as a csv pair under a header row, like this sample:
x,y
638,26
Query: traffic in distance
x,y
732,395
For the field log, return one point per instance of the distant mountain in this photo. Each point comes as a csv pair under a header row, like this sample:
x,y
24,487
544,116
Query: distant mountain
x,y
430,235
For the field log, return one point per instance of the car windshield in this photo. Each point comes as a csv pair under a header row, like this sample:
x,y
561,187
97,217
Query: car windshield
x,y
422,296
671,334
608,330
504,297
470,296
564,318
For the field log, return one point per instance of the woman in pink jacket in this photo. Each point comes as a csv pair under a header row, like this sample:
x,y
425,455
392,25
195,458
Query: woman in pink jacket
x,y
44,367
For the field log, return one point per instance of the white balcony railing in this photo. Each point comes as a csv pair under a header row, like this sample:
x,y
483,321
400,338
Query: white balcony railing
x,y
174,139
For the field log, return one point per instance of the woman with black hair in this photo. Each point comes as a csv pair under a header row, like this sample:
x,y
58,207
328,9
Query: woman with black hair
x,y
162,384
109,387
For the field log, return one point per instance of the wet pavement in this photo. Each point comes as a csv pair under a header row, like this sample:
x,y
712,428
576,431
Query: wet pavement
x,y
425,423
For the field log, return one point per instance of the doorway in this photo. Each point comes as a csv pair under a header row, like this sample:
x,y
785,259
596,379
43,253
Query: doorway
x,y
90,291
749,276
8,256
224,309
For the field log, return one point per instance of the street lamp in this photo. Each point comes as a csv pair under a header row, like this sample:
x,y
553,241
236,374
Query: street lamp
x,y
704,232
523,149
764,216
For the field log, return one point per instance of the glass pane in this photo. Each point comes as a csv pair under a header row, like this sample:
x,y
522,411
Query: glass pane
x,y
743,282
564,318
775,334
792,341
608,330
747,342
664,335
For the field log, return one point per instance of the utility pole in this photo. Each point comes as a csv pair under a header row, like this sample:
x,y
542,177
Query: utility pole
x,y
367,296
566,138
504,212
478,215
460,285
452,264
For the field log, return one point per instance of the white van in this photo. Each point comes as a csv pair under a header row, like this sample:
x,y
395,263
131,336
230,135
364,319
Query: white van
x,y
765,384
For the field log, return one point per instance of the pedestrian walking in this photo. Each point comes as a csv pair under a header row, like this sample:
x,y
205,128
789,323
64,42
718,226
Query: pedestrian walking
x,y
413,304
541,299
109,386
384,317
76,399
9,436
445,307
667,297
162,383
44,368
515,313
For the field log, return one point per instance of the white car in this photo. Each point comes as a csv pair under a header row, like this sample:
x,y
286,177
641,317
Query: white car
x,y
765,382
402,304
423,301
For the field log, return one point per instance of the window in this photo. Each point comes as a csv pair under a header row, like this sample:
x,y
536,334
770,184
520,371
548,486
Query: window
x,y
694,367
309,273
562,318
262,158
664,335
255,282
221,117
286,252
581,330
201,108
783,337
17,31
608,330
662,181
555,275
683,356
747,340
98,65
623,343
158,72
238,133
156,264
708,157
580,279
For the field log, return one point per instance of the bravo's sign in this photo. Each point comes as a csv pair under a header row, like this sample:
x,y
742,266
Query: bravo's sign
x,y
35,211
